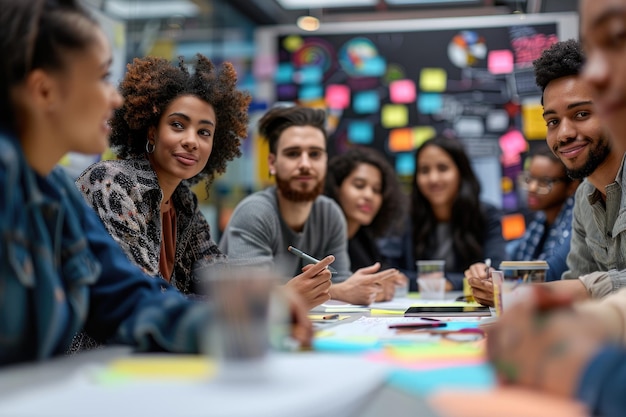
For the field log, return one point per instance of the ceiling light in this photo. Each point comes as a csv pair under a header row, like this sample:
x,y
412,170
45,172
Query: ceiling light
x,y
308,23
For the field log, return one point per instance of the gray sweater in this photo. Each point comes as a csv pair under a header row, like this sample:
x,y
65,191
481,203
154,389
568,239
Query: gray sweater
x,y
257,235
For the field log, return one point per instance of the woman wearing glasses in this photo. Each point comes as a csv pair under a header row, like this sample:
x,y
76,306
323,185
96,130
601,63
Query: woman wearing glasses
x,y
550,193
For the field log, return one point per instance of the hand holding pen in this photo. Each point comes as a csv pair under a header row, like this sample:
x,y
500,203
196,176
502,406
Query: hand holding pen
x,y
309,258
313,284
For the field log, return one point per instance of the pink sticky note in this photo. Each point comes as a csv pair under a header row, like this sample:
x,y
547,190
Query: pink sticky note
x,y
264,67
402,91
500,61
337,96
512,145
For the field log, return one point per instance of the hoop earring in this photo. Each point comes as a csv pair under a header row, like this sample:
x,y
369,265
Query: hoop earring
x,y
150,147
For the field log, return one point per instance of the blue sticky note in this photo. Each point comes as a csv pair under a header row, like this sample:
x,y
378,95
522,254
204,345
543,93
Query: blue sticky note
x,y
455,377
374,67
311,92
366,102
429,103
309,75
405,164
361,132
284,73
355,345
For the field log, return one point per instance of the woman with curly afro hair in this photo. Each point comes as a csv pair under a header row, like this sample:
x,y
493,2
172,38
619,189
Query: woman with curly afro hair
x,y
176,128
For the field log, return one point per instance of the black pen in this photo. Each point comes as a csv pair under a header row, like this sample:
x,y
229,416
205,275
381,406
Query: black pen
x,y
309,258
417,325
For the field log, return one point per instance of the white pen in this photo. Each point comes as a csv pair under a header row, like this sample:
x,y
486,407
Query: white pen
x,y
488,267
309,258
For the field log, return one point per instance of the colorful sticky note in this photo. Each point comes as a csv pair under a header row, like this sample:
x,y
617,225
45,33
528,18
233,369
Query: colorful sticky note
x,y
366,102
310,92
512,144
533,125
309,75
433,80
394,115
429,103
337,96
373,67
284,73
405,164
400,140
421,134
427,382
402,91
292,43
500,61
513,226
361,132
264,67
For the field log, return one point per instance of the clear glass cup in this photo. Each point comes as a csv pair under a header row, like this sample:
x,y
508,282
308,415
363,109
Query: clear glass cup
x,y
431,280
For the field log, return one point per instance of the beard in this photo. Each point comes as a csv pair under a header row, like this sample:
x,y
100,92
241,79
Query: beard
x,y
597,155
298,196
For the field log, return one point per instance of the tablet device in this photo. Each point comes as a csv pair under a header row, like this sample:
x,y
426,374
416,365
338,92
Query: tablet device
x,y
448,311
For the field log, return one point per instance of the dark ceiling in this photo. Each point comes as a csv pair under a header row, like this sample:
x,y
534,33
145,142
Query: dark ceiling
x,y
269,12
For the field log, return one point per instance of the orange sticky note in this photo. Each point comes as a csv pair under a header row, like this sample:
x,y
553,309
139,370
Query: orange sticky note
x,y
400,140
513,226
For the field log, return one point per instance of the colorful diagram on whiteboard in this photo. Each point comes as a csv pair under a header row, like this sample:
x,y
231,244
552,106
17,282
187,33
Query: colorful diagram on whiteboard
x,y
314,52
359,57
466,48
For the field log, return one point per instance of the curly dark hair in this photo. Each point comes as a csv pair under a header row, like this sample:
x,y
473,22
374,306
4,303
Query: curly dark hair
x,y
560,60
278,119
467,222
392,208
151,84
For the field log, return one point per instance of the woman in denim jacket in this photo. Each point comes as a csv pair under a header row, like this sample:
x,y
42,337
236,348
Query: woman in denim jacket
x,y
60,270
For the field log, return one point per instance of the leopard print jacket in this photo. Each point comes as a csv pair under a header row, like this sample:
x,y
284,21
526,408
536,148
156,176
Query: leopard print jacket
x,y
127,197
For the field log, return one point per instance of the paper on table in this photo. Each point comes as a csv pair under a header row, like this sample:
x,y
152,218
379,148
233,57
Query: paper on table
x,y
404,303
334,306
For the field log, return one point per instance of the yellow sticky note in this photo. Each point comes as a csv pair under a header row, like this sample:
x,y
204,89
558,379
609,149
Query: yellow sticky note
x,y
421,134
533,125
382,312
394,115
164,366
433,80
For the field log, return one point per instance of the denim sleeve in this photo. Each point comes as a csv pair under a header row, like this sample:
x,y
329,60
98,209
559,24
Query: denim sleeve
x,y
558,262
129,307
602,384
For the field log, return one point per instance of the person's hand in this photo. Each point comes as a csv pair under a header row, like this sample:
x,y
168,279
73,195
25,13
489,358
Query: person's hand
x,y
313,284
388,285
541,343
301,326
480,283
363,286
401,280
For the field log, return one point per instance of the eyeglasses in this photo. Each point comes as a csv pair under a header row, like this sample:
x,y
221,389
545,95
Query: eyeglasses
x,y
543,184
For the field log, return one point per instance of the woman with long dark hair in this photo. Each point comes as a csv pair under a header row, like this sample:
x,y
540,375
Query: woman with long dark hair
x,y
449,222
